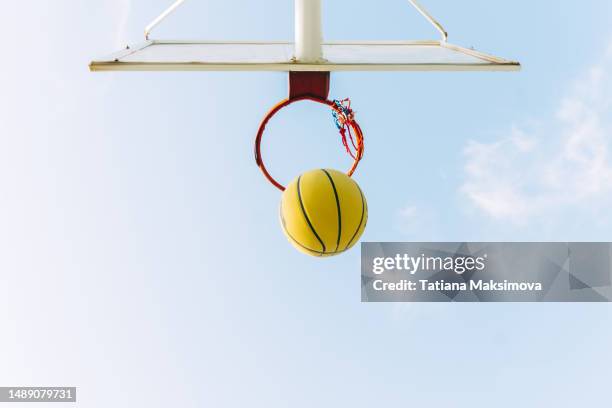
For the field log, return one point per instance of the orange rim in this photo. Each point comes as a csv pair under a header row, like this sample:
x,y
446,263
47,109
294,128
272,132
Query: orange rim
x,y
352,124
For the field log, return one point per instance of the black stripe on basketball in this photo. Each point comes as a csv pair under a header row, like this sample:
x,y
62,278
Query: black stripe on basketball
x,y
338,206
284,225
363,207
306,216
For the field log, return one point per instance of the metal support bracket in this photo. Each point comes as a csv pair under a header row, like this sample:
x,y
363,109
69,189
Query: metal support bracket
x,y
430,18
178,3
162,17
309,84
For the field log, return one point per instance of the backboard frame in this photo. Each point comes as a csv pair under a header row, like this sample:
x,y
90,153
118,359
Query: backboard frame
x,y
118,62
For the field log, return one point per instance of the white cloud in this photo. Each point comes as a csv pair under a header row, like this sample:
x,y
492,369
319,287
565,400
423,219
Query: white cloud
x,y
408,220
408,212
419,222
562,163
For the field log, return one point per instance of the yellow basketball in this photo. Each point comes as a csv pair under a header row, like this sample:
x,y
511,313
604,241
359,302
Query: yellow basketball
x,y
323,212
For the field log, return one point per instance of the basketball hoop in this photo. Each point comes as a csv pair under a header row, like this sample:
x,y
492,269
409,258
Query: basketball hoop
x,y
323,212
314,86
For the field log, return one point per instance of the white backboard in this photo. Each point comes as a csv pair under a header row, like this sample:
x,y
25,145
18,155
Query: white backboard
x,y
156,55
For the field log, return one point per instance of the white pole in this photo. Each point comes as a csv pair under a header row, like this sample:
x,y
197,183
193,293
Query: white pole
x,y
308,31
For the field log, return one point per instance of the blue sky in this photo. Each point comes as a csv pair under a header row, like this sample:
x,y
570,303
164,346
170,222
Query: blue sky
x,y
140,246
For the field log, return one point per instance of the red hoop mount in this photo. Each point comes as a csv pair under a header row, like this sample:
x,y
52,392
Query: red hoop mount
x,y
313,86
